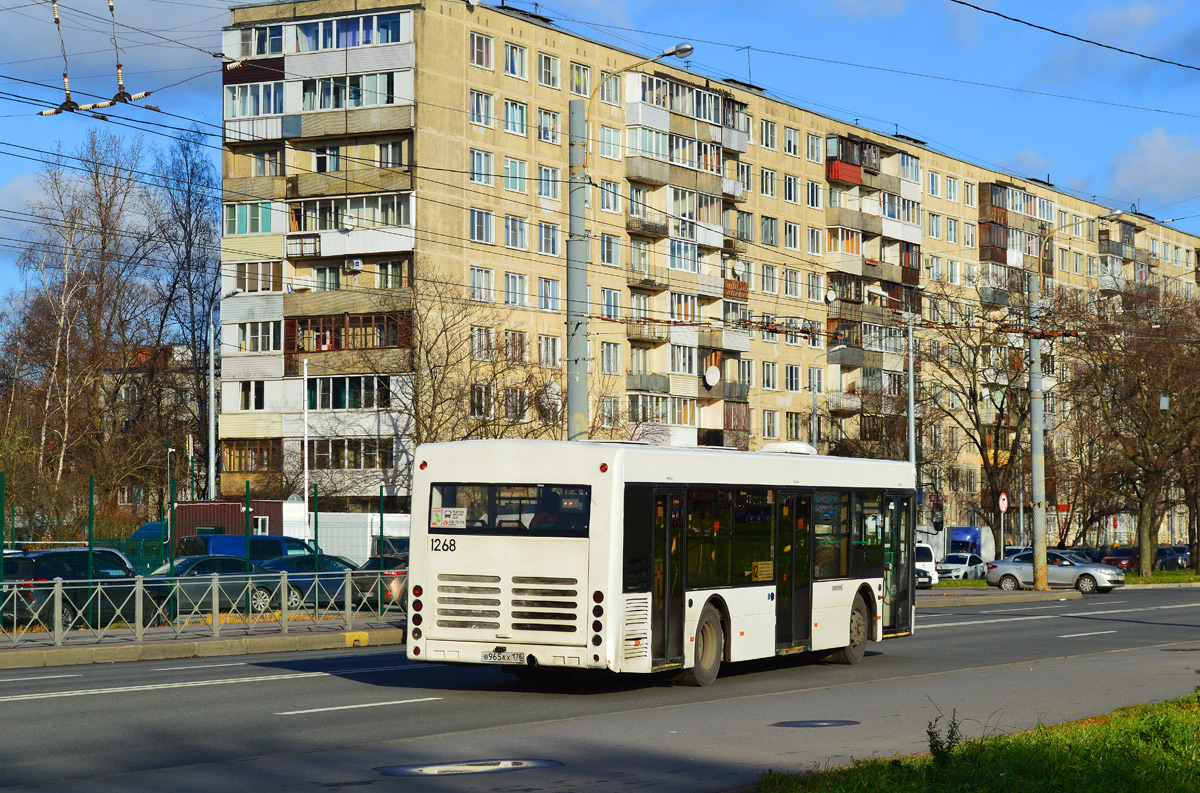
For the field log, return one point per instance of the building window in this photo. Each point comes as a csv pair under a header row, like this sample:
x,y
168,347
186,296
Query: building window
x,y
357,392
770,375
391,154
548,294
247,100
767,141
549,356
683,307
610,143
481,167
516,404
481,226
253,454
610,250
481,50
548,239
516,348
791,141
548,182
610,196
814,195
746,176
514,233
610,357
910,168
815,375
791,189
767,182
815,238
969,235
514,175
515,117
791,236
482,285
265,163
481,109
952,230
683,359
610,89
969,194
356,90
253,395
481,344
514,61
248,218
934,184
610,304
935,226
481,401
548,126
581,80
259,336
327,279
770,231
770,424
951,189
514,289
259,276
770,282
610,412
547,70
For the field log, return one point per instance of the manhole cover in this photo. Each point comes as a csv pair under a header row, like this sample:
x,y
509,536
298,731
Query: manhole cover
x,y
465,767
816,723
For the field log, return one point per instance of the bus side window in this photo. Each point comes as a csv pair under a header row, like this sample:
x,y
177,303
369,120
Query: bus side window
x,y
638,540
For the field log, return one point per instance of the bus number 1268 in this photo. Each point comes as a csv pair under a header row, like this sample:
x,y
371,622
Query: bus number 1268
x,y
442,545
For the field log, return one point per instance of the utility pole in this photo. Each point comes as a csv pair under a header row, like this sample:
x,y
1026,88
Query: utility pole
x,y
212,412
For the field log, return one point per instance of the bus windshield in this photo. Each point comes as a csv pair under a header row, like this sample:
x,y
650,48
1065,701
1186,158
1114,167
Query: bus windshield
x,y
523,510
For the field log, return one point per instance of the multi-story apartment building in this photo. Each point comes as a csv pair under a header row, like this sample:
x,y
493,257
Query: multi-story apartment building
x,y
753,263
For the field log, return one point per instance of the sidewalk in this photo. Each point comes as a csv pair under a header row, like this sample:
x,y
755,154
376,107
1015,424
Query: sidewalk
x,y
106,653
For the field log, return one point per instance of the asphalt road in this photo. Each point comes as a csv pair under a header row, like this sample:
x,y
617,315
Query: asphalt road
x,y
301,722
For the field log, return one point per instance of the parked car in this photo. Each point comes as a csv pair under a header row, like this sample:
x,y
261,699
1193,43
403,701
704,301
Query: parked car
x,y
960,566
193,584
1185,552
1169,559
924,561
1124,558
307,581
382,579
922,578
1062,571
262,548
97,595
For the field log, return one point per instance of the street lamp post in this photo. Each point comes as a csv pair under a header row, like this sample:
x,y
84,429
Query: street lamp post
x,y
578,252
1037,426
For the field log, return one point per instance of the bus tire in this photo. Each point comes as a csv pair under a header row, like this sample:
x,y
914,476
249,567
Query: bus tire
x,y
853,652
710,649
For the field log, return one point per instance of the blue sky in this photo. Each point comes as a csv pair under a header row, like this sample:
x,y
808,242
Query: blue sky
x,y
1121,155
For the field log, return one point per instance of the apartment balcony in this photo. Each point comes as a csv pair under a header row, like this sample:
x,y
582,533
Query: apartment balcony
x,y
733,243
991,214
910,276
1127,252
710,286
352,242
838,171
347,301
653,383
845,309
735,140
651,223
1111,284
361,180
732,189
849,263
871,225
650,332
364,121
647,170
730,339
993,296
843,403
846,356
255,188
647,277
724,389
709,235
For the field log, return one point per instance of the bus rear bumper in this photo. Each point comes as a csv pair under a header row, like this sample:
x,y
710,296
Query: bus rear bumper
x,y
508,654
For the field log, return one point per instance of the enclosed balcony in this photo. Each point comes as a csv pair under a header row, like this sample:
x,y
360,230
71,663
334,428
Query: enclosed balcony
x,y
649,332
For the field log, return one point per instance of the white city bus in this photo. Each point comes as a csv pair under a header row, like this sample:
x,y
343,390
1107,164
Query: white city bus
x,y
637,558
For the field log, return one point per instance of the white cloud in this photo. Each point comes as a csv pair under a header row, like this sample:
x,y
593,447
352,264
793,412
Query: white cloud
x,y
1156,169
1028,163
1133,25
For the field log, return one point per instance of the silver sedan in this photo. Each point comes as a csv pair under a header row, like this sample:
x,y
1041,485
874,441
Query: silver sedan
x,y
1062,572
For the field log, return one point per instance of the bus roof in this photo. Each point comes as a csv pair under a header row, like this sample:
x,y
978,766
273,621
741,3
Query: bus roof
x,y
526,460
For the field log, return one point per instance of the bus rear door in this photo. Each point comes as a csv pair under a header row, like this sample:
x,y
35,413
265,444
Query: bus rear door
x,y
793,594
666,621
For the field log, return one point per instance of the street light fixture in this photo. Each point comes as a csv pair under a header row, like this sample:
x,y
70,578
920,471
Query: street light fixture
x,y
578,251
1037,426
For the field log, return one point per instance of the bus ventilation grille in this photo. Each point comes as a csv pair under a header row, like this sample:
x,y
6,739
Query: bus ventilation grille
x,y
540,604
637,627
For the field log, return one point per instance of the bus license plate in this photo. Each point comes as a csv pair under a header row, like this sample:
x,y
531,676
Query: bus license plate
x,y
504,658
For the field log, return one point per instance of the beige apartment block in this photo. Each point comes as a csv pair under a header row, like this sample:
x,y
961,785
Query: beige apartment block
x,y
753,263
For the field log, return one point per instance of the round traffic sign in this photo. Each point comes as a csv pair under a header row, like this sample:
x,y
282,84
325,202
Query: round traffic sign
x,y
1004,502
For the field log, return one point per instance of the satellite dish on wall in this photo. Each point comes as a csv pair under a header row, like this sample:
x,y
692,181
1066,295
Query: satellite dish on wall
x,y
830,296
739,270
712,376
349,222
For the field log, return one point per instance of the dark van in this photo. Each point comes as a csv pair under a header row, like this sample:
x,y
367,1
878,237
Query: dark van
x,y
261,548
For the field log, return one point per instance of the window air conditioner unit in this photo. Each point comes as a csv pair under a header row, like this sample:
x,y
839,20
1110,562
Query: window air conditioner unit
x,y
354,264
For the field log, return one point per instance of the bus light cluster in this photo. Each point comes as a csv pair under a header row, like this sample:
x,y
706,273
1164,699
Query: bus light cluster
x,y
414,618
597,625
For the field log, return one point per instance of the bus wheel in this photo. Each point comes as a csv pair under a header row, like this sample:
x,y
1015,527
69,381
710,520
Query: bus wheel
x,y
710,649
853,652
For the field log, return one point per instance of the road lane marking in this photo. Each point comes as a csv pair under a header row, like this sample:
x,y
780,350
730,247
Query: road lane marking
x,y
1057,616
43,677
1030,608
198,666
202,683
353,707
1077,635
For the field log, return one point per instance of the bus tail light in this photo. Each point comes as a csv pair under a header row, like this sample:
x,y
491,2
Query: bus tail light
x,y
416,633
597,611
418,591
604,468
598,596
417,605
416,651
417,619
424,465
597,626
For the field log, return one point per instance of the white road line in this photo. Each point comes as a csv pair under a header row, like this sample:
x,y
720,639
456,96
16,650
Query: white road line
x,y
353,707
201,683
43,677
198,666
1057,616
1030,608
1077,635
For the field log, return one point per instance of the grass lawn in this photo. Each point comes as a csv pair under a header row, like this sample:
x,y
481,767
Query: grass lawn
x,y
1133,750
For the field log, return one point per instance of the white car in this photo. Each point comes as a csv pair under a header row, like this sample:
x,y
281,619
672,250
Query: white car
x,y
924,561
961,565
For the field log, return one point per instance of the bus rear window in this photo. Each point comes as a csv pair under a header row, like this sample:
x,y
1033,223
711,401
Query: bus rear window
x,y
521,510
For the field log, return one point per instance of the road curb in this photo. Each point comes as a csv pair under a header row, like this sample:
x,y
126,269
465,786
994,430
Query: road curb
x,y
200,648
950,601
